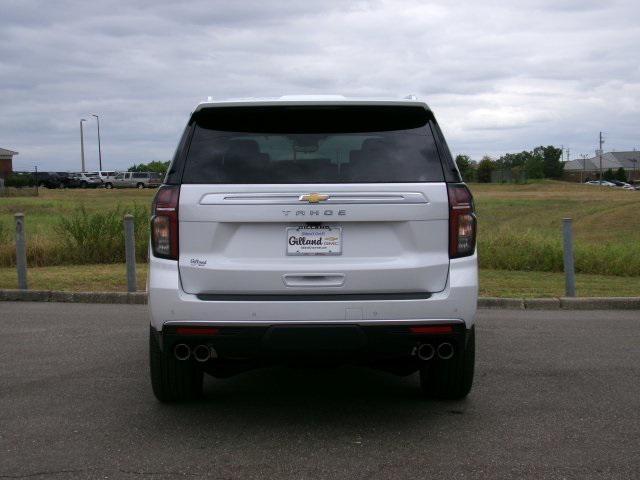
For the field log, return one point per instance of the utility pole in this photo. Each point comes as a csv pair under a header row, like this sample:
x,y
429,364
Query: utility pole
x,y
99,150
82,143
600,156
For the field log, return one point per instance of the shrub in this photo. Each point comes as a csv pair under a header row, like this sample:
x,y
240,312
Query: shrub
x,y
98,237
621,175
19,181
485,167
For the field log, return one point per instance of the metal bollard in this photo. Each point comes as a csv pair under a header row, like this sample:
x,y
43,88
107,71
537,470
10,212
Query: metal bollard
x,y
130,252
569,270
21,252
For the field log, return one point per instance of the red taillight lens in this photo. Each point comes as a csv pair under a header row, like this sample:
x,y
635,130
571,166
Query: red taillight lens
x,y
197,331
164,222
431,329
462,221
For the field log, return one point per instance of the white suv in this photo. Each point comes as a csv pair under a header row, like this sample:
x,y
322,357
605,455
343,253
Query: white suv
x,y
312,229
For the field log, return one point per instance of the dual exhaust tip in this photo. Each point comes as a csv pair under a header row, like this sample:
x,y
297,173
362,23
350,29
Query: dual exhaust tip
x,y
200,353
443,351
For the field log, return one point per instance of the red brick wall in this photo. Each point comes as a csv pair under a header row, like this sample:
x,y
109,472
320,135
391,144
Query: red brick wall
x,y
5,167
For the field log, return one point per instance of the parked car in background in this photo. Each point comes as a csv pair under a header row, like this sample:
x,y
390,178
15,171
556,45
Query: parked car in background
x,y
603,183
107,176
625,185
69,180
88,179
135,180
48,180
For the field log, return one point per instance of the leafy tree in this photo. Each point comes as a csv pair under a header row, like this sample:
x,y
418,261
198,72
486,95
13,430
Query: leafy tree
x,y
485,167
155,166
608,175
466,167
621,175
552,165
534,166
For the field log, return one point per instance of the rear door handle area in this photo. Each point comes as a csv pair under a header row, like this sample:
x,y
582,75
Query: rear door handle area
x,y
314,280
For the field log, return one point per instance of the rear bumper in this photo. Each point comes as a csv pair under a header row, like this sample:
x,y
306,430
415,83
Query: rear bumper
x,y
236,348
170,305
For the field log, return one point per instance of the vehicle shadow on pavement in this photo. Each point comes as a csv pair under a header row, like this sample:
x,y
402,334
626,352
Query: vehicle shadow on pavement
x,y
337,398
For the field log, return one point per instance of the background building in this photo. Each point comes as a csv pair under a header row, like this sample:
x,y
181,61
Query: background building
x,y
6,162
583,169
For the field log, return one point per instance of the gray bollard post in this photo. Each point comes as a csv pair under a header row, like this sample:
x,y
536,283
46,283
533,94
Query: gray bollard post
x,y
569,270
21,252
130,252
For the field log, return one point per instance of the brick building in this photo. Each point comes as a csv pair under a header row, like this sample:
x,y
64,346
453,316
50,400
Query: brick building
x,y
6,161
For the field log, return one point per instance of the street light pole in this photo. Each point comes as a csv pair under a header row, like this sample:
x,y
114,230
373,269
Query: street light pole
x,y
99,150
82,143
600,155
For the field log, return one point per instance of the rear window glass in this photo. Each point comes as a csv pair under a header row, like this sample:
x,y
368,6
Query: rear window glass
x,y
336,144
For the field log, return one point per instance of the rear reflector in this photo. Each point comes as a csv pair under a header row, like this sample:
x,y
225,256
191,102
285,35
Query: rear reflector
x,y
431,329
197,331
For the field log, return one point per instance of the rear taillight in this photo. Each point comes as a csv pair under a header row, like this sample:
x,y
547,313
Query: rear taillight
x,y
164,222
462,221
431,329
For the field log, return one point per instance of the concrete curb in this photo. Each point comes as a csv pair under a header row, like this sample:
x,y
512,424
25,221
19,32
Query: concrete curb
x,y
140,298
72,297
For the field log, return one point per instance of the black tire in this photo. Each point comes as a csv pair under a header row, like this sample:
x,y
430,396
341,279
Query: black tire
x,y
140,185
172,380
451,379
83,184
108,186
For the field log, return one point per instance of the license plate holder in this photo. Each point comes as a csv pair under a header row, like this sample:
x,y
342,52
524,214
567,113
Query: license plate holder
x,y
314,240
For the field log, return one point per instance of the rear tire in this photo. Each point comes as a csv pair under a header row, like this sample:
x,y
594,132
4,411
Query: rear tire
x,y
140,185
450,379
172,380
108,186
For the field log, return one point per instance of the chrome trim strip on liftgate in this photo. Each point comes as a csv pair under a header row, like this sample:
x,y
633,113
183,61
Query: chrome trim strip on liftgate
x,y
293,198
259,323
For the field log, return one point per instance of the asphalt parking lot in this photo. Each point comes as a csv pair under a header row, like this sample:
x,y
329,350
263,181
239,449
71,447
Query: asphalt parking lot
x,y
557,395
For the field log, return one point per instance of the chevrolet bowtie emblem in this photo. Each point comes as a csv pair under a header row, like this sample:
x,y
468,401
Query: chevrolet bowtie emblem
x,y
313,197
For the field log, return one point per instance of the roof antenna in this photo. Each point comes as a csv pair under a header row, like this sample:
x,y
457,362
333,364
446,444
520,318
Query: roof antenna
x,y
411,97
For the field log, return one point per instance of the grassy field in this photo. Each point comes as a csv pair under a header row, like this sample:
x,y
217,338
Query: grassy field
x,y
519,226
493,283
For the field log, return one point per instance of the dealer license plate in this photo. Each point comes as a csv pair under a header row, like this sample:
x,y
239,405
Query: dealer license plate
x,y
322,240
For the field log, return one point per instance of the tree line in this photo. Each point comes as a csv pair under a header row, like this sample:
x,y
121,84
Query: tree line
x,y
155,166
541,162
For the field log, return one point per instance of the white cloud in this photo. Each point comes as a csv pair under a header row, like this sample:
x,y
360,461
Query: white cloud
x,y
501,76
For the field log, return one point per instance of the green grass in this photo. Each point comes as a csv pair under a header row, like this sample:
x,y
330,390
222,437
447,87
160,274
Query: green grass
x,y
519,226
76,278
493,283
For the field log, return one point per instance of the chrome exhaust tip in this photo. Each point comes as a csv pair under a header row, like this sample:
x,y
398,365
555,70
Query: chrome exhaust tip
x,y
426,352
445,351
182,351
201,353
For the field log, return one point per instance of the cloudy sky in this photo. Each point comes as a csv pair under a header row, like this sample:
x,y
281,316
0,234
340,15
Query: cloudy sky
x,y
501,76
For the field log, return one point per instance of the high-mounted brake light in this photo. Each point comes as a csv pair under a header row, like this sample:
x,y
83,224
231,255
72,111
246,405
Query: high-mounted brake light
x,y
164,222
462,221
